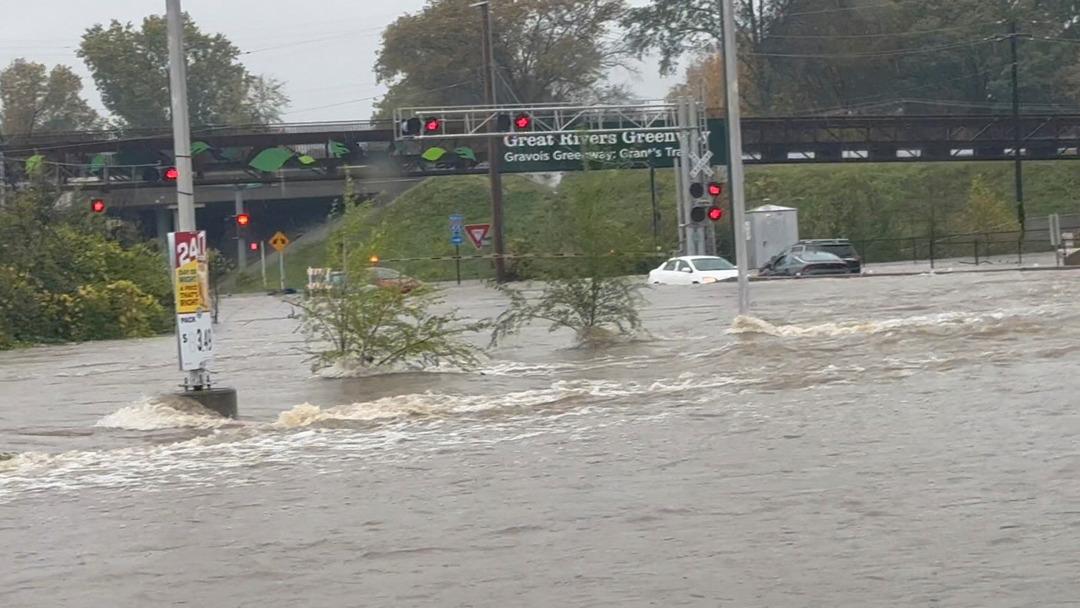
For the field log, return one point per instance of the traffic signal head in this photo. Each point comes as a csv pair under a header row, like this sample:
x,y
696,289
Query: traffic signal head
x,y
253,245
716,213
697,214
502,123
432,125
97,205
170,174
715,189
411,126
523,121
697,190
243,219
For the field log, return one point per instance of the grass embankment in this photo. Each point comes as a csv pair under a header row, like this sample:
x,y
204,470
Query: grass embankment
x,y
869,202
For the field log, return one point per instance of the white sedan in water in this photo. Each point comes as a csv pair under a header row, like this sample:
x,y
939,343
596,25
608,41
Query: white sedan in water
x,y
693,270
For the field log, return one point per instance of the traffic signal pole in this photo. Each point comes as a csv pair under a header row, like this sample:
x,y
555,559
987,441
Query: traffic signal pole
x,y
734,124
494,147
241,243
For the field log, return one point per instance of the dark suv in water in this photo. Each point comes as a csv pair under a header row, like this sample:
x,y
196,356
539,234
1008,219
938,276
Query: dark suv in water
x,y
841,248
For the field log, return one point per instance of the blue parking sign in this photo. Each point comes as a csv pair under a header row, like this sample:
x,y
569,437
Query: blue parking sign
x,y
457,229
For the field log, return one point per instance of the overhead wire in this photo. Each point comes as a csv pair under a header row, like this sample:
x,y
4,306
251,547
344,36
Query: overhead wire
x,y
892,53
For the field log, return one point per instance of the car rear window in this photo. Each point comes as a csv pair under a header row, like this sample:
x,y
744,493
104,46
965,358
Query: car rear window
x,y
843,251
818,256
712,264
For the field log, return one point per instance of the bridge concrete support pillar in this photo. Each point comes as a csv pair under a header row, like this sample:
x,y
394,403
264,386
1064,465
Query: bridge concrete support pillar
x,y
164,226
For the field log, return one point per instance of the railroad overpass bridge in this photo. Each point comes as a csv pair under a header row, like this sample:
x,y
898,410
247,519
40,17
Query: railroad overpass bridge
x,y
309,162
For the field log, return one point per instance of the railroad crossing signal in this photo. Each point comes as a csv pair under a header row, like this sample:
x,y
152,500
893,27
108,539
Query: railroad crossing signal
x,y
97,205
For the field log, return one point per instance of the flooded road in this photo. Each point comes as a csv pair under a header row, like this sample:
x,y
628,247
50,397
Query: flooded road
x,y
900,441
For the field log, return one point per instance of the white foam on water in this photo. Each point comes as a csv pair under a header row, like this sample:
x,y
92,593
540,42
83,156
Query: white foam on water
x,y
744,324
402,426
164,412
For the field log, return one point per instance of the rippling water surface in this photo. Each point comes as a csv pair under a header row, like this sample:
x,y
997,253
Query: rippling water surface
x,y
877,442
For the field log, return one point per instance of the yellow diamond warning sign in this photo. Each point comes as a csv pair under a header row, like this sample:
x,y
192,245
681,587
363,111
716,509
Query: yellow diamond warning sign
x,y
279,241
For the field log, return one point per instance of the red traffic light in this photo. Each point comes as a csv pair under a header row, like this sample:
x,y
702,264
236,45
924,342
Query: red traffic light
x,y
523,121
715,189
243,219
97,205
171,174
432,125
715,214
254,245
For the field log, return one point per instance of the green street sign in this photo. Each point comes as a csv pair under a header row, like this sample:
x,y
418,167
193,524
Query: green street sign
x,y
546,152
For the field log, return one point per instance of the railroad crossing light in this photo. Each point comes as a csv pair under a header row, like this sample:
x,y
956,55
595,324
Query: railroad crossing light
x,y
716,213
523,121
243,219
97,205
697,190
253,245
502,123
411,126
432,125
715,189
697,214
170,174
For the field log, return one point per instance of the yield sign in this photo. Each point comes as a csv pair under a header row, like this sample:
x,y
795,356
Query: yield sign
x,y
477,233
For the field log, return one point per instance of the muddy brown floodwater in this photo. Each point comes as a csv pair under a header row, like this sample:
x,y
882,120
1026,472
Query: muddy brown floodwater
x,y
876,442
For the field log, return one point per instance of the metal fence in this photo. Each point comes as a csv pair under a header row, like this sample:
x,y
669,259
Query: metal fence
x,y
975,249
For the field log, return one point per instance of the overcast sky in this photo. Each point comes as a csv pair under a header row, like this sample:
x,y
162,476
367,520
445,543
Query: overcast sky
x,y
323,50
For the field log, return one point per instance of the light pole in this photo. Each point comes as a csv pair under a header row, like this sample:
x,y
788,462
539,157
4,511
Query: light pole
x,y
498,234
738,191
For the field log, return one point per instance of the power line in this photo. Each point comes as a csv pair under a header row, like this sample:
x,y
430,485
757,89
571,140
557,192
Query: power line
x,y
842,9
892,53
880,35
358,100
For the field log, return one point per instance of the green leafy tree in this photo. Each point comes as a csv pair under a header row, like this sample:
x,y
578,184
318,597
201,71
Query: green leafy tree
x,y
917,56
130,68
63,279
545,50
986,212
34,100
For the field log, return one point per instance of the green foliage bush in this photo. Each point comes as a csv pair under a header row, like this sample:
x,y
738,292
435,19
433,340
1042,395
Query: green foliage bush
x,y
66,280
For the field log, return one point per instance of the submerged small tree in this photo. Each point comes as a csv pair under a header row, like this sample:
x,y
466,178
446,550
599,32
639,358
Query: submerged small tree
x,y
383,327
590,296
361,323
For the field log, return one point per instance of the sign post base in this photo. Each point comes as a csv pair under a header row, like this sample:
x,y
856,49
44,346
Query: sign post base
x,y
220,400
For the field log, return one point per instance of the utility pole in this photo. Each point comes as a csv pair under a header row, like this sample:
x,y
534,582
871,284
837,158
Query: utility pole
x,y
494,147
655,207
1018,170
185,185
197,383
734,124
3,181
